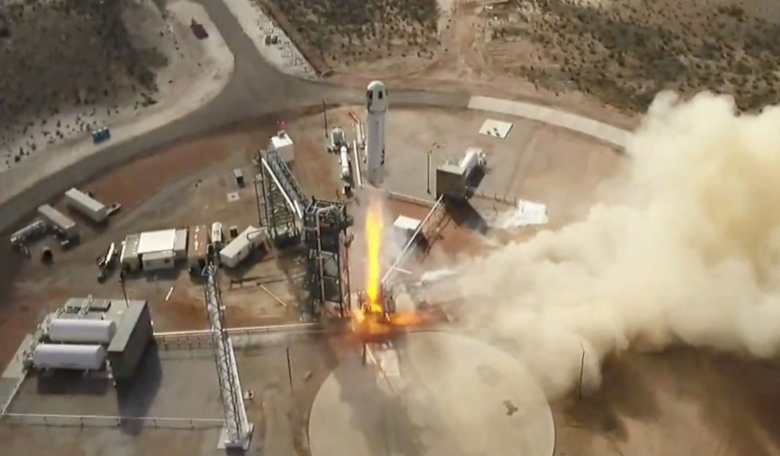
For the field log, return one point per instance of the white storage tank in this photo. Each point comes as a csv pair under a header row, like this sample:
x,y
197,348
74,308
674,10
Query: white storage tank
x,y
344,159
62,356
471,160
81,331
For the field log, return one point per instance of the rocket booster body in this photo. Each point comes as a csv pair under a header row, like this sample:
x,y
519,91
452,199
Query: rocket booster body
x,y
376,108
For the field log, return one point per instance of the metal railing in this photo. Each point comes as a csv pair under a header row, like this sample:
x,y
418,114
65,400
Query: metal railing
x,y
30,419
201,338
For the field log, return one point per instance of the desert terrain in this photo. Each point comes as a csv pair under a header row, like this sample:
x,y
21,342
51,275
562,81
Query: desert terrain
x,y
72,67
614,52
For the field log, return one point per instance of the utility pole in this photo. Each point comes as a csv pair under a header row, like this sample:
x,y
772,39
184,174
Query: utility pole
x,y
428,172
428,167
257,181
122,283
325,117
289,368
582,371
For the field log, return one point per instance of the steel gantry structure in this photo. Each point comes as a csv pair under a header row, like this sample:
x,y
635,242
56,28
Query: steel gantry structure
x,y
283,199
238,430
325,226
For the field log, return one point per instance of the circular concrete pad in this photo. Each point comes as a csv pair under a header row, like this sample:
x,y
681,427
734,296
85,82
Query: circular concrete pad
x,y
447,395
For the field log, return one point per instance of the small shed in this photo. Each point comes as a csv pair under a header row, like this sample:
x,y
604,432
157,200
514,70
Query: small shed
x,y
406,226
238,176
283,145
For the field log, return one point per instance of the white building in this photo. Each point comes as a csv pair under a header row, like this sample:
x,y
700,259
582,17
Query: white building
x,y
154,249
240,247
405,227
283,145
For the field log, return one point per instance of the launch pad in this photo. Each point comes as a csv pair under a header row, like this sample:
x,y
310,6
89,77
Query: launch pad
x,y
431,393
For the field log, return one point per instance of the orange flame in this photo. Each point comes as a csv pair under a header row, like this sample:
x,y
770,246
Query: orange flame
x,y
374,232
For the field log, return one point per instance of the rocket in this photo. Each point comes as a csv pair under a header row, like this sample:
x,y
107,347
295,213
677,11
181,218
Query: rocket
x,y
376,107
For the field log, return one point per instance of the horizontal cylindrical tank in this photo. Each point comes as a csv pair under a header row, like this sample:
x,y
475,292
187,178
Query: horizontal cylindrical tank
x,y
344,160
470,161
81,331
61,356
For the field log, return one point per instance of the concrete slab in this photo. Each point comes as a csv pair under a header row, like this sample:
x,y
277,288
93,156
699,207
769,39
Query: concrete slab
x,y
455,396
590,127
495,128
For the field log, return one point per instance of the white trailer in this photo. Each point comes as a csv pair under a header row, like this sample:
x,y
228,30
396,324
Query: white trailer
x,y
130,259
240,247
86,205
155,261
58,221
76,330
63,356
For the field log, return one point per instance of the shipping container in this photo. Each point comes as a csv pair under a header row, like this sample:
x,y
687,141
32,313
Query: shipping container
x,y
73,330
63,356
158,260
240,247
86,205
58,221
196,251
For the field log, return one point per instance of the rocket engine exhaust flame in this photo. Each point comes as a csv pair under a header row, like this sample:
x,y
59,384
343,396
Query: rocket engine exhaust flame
x,y
374,233
375,316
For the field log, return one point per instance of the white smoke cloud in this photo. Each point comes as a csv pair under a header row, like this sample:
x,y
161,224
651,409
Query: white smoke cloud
x,y
690,254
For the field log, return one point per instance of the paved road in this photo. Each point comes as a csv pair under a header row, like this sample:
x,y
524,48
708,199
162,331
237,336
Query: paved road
x,y
256,90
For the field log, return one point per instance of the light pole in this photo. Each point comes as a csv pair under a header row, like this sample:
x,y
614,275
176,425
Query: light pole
x,y
122,283
582,371
257,181
428,167
325,117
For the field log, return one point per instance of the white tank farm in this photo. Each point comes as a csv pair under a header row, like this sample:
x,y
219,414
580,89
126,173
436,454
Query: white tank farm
x,y
81,331
62,356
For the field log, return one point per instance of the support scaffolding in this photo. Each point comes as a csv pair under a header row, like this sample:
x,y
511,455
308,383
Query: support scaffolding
x,y
238,430
283,199
325,226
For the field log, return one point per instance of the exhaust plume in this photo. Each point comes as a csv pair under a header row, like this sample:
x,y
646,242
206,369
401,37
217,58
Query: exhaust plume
x,y
689,254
